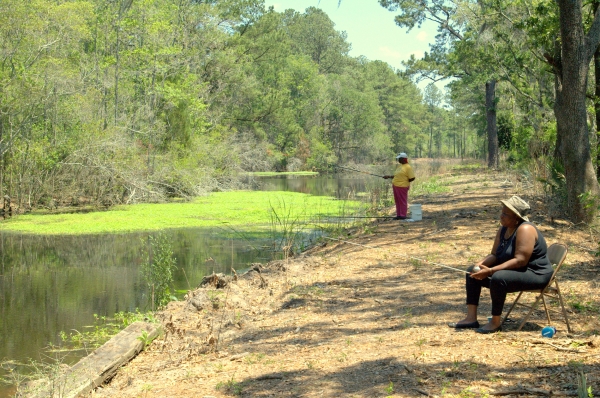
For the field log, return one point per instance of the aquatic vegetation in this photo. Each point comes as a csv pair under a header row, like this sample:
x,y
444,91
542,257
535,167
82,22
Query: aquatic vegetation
x,y
101,331
236,210
158,265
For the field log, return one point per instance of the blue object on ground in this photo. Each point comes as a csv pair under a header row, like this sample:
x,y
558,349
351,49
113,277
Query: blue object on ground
x,y
549,331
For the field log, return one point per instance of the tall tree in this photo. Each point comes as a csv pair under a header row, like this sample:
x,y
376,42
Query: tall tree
x,y
559,33
492,127
91,90
401,103
433,99
436,65
597,97
313,33
571,66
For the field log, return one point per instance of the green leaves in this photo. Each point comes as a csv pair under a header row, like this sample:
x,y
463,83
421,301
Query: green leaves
x,y
124,102
157,268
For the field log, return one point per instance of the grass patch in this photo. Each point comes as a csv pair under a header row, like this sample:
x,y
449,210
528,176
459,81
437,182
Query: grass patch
x,y
104,329
237,210
582,305
230,386
432,185
468,167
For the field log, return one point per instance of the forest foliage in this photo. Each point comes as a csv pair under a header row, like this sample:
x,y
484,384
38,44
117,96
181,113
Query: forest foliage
x,y
107,102
539,61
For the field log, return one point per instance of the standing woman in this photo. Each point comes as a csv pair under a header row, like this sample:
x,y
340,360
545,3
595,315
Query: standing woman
x,y
402,178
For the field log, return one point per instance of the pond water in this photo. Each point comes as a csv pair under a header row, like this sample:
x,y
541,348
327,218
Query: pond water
x,y
50,284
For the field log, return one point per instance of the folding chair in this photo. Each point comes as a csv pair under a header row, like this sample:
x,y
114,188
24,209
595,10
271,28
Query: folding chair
x,y
556,254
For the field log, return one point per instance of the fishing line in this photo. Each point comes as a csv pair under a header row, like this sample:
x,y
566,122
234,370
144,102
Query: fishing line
x,y
359,171
359,217
410,257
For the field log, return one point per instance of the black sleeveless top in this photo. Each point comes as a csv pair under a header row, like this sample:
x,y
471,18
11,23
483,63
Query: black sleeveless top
x,y
538,262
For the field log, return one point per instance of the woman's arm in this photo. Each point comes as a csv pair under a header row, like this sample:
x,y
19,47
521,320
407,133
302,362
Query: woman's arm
x,y
490,259
526,237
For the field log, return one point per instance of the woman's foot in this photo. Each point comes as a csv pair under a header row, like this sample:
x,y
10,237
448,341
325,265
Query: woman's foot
x,y
464,324
470,320
489,328
495,325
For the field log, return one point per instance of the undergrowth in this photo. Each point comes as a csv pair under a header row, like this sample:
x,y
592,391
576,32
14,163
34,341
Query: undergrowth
x,y
47,375
103,329
433,185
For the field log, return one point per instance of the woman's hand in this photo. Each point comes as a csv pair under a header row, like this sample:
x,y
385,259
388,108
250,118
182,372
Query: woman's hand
x,y
484,272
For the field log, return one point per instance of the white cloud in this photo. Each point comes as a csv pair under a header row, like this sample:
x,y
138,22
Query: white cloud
x,y
422,36
389,53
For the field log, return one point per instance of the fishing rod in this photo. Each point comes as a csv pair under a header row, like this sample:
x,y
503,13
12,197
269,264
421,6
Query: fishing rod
x,y
359,216
410,257
359,171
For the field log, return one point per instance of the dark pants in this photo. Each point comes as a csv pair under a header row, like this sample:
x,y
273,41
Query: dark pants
x,y
503,282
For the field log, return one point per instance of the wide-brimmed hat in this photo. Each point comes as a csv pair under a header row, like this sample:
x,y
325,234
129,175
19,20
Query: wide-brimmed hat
x,y
402,155
517,206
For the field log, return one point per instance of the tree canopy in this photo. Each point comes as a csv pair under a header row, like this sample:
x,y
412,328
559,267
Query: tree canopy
x,y
128,101
533,58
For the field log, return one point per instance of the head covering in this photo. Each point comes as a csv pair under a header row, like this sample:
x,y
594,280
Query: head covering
x,y
517,206
402,155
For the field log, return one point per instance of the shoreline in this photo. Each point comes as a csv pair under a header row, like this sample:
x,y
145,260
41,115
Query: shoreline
x,y
342,320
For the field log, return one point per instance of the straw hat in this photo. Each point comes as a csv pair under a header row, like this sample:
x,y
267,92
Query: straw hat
x,y
517,206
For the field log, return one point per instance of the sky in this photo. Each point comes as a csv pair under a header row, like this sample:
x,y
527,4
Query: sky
x,y
370,28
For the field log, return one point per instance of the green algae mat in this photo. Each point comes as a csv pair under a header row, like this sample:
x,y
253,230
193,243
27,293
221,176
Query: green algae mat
x,y
240,210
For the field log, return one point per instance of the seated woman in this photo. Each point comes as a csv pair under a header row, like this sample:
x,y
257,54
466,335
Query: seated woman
x,y
517,262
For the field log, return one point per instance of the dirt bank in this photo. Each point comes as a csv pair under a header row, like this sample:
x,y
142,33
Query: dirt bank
x,y
343,320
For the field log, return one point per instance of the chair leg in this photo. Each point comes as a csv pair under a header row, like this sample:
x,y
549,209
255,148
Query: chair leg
x,y
562,305
537,300
546,309
511,307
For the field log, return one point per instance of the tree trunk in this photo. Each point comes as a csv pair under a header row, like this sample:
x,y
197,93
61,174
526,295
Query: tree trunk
x,y
1,159
571,117
430,142
118,29
597,99
454,145
492,128
464,145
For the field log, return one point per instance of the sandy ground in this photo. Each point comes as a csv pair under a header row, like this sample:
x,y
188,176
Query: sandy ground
x,y
366,316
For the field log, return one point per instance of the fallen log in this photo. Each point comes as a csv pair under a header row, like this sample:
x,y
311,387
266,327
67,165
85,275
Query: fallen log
x,y
98,367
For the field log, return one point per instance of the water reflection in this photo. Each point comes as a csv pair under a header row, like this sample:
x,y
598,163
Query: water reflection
x,y
339,187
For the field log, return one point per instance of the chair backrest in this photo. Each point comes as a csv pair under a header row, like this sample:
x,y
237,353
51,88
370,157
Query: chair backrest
x,y
557,252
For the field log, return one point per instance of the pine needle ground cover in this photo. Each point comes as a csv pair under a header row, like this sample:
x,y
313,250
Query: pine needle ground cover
x,y
363,317
242,210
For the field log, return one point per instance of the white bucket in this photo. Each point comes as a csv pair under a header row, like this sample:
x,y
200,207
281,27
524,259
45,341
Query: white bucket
x,y
415,212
